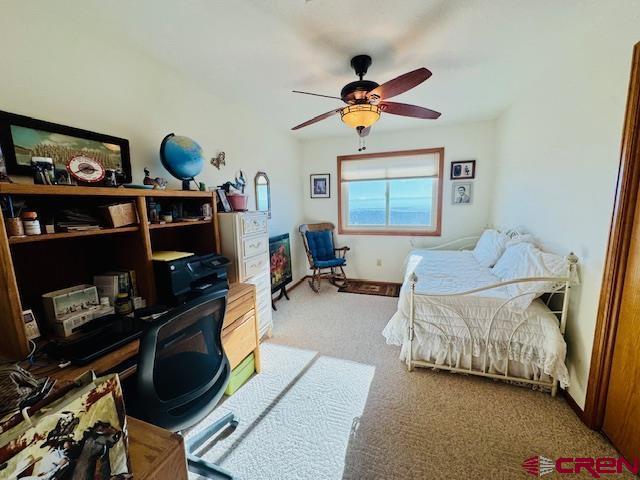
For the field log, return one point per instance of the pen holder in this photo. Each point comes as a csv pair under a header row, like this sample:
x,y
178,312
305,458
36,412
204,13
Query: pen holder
x,y
14,227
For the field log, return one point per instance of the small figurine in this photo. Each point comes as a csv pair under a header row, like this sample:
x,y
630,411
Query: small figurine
x,y
238,184
158,183
218,160
241,182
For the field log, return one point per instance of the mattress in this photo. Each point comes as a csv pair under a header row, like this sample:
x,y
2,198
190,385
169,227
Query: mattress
x,y
453,330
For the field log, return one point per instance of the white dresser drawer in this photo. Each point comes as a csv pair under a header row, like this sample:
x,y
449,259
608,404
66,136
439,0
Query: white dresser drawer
x,y
254,266
263,299
252,224
262,281
265,320
254,245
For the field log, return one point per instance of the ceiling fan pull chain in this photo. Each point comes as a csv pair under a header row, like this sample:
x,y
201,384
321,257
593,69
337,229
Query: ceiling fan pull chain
x,y
361,144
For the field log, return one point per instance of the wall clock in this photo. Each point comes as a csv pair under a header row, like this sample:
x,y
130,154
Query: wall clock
x,y
86,169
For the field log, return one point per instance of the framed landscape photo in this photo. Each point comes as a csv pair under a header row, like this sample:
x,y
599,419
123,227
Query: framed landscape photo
x,y
462,193
320,185
463,170
22,138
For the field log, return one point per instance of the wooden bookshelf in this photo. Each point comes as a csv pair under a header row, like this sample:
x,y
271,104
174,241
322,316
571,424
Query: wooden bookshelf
x,y
33,265
61,235
24,189
155,226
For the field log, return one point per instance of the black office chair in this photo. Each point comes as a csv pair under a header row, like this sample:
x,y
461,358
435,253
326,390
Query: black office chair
x,y
182,374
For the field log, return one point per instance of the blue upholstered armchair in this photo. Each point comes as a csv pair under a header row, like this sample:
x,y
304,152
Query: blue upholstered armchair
x,y
325,259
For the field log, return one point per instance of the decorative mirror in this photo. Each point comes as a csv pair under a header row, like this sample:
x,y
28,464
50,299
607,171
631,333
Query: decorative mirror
x,y
263,193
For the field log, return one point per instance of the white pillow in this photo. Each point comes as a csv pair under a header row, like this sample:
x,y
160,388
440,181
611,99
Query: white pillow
x,y
525,260
521,238
490,247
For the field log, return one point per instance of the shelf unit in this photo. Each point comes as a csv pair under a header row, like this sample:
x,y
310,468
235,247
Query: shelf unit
x,y
61,235
155,226
33,265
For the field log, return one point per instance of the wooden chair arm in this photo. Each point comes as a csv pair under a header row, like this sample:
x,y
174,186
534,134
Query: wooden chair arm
x,y
341,252
342,248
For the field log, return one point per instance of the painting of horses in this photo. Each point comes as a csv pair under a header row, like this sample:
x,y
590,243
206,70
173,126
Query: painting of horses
x,y
82,435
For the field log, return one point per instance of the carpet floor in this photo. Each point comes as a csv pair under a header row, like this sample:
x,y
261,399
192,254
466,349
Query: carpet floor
x,y
334,402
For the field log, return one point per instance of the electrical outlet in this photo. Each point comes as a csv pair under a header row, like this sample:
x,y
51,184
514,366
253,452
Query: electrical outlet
x,y
379,262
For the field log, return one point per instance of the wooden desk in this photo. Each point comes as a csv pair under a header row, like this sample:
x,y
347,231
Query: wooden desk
x,y
155,453
240,337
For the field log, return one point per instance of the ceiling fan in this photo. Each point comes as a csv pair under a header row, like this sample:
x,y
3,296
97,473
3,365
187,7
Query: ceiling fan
x,y
366,99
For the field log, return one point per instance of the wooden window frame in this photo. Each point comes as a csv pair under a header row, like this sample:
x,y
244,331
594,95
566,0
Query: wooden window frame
x,y
344,230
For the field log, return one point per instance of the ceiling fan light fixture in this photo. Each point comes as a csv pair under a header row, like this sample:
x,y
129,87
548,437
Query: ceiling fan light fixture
x,y
360,115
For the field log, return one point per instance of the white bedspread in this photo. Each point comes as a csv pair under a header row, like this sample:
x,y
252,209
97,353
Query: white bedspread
x,y
537,349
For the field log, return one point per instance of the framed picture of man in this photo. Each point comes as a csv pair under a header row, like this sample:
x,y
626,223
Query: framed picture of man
x,y
463,170
320,185
462,193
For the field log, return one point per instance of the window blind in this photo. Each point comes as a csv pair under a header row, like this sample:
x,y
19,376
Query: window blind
x,y
425,165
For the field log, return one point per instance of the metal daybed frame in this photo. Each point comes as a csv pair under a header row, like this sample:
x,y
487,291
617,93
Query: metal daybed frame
x,y
556,286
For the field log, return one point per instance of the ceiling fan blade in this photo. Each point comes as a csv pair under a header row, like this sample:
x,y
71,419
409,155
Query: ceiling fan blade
x,y
407,110
400,84
317,119
316,94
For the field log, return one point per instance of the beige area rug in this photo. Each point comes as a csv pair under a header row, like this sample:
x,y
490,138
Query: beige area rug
x,y
335,402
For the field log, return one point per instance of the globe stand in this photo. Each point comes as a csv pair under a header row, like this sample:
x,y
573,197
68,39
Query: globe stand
x,y
186,184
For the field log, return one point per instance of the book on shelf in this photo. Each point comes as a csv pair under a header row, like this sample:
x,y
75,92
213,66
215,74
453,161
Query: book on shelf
x,y
76,227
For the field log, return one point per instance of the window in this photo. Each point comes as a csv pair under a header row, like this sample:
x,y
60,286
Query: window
x,y
394,193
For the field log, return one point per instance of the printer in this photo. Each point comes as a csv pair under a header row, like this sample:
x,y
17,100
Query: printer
x,y
181,280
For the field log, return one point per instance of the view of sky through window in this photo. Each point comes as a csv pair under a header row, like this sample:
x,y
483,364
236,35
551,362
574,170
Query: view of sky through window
x,y
410,202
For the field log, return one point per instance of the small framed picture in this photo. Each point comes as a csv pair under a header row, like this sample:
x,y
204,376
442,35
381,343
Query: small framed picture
x,y
320,185
462,193
224,201
463,170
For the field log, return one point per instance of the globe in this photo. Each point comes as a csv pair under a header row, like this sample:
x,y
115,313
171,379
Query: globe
x,y
181,156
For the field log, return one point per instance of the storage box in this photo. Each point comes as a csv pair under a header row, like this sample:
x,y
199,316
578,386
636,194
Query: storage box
x,y
108,286
121,214
70,308
70,301
69,325
241,374
82,434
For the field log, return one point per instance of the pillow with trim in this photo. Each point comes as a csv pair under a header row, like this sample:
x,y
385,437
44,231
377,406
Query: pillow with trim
x,y
525,260
490,247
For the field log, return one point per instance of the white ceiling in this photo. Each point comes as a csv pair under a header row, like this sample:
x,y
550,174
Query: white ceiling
x,y
257,51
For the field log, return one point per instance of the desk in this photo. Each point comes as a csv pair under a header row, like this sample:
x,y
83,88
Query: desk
x,y
240,337
155,453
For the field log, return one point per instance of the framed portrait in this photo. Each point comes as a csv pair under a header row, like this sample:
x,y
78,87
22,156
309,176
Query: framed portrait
x,y
320,185
462,193
224,201
22,138
463,170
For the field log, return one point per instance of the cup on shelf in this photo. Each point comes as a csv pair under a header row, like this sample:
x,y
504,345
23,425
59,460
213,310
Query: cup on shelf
x,y
14,227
